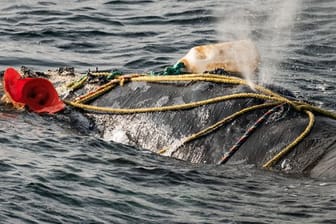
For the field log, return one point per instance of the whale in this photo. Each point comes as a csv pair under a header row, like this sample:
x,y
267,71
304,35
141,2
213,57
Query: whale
x,y
181,113
202,117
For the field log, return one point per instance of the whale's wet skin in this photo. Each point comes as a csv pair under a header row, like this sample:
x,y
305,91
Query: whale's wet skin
x,y
54,171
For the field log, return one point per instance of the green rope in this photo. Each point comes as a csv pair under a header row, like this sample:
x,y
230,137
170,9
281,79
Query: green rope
x,y
78,83
106,76
114,74
176,69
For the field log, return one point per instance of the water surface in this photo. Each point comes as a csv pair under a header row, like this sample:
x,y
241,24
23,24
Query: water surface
x,y
52,174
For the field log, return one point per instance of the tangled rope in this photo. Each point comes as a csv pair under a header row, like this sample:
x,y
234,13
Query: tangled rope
x,y
263,93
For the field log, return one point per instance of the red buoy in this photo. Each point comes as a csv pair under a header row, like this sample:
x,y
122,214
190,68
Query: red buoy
x,y
37,93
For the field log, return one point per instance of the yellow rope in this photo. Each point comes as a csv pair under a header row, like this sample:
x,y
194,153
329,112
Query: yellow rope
x,y
77,84
309,107
190,77
97,92
225,120
264,94
220,123
289,147
211,78
104,88
171,107
298,105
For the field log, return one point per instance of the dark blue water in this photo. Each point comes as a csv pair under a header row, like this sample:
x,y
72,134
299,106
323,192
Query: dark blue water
x,y
52,174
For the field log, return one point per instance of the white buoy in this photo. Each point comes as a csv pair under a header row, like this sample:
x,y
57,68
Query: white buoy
x,y
240,57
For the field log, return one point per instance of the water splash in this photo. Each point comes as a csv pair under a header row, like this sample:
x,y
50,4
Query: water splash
x,y
281,22
267,23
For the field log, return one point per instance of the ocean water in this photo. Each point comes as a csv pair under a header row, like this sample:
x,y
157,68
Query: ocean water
x,y
52,174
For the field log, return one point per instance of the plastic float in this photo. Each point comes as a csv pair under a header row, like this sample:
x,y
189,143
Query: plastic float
x,y
240,57
38,94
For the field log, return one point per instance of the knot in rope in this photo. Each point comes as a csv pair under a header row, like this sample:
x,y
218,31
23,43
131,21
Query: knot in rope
x,y
176,69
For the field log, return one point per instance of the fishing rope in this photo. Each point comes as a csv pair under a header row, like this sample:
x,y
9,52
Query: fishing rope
x,y
219,124
103,89
289,147
77,84
264,94
176,69
171,107
246,135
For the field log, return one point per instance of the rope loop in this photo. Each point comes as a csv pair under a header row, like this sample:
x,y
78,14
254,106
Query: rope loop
x,y
289,147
